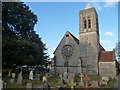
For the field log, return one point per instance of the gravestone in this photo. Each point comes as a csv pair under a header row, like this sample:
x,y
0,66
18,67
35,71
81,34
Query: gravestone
x,y
9,73
1,82
86,78
45,78
12,80
71,77
20,78
65,77
13,75
60,81
104,81
29,85
4,85
94,84
31,75
81,83
71,80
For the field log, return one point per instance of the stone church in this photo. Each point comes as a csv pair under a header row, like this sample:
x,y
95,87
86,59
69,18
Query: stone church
x,y
84,55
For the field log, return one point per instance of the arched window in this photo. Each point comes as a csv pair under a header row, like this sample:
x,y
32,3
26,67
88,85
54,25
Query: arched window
x,y
85,24
89,23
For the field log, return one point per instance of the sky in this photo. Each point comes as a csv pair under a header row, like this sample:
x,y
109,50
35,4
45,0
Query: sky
x,y
55,18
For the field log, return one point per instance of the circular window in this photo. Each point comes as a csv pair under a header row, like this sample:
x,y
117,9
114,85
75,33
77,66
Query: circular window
x,y
67,51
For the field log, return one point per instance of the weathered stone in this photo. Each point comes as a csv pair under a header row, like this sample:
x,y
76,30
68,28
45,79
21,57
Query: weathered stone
x,y
4,85
71,78
81,84
31,75
65,77
13,75
29,85
94,84
19,79
105,79
12,80
1,83
60,81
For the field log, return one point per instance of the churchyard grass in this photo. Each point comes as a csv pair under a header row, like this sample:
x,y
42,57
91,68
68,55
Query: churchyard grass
x,y
53,81
110,84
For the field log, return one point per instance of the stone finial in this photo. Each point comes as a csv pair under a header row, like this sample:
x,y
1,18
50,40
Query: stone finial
x,y
88,6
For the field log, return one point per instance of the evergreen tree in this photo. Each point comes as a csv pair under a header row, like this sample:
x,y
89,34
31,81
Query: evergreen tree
x,y
21,45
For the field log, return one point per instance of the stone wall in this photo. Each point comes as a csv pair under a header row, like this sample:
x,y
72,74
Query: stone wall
x,y
89,41
107,69
73,61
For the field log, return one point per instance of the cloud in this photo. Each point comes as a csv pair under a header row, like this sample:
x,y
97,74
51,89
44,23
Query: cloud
x,y
47,45
105,41
109,33
109,4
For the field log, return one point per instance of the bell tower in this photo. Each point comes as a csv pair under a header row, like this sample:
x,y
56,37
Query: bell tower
x,y
89,40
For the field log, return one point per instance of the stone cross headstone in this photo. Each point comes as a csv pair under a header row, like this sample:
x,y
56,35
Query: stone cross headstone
x,y
31,75
81,77
86,78
20,78
81,80
94,84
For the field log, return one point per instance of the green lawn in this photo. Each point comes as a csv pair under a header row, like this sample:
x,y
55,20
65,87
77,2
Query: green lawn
x,y
54,81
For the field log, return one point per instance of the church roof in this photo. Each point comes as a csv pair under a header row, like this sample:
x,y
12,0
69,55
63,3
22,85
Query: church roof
x,y
106,56
77,41
73,37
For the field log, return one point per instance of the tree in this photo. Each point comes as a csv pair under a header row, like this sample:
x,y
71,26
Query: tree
x,y
21,45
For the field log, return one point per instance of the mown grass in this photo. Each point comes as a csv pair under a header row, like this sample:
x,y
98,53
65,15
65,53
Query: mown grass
x,y
53,81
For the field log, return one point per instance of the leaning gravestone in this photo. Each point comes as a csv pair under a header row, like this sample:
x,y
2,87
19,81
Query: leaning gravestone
x,y
20,78
94,84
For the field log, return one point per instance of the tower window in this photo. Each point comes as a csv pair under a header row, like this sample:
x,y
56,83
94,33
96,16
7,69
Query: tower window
x,y
89,23
85,24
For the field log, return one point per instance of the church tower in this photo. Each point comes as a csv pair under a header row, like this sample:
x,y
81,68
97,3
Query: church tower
x,y
89,40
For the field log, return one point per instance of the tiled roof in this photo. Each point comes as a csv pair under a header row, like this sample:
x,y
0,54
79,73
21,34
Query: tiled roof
x,y
106,56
